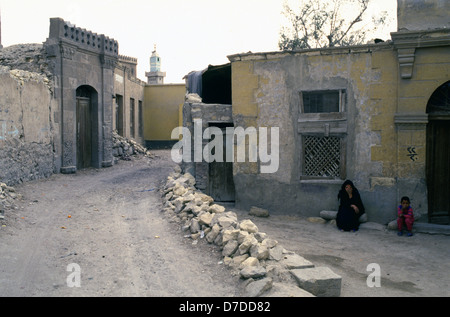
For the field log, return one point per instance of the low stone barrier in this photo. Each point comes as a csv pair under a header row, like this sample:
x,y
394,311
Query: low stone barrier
x,y
266,266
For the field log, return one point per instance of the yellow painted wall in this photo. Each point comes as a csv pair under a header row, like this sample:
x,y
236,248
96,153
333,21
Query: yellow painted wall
x,y
162,107
431,70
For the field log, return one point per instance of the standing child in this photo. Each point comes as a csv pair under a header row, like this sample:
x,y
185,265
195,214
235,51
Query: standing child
x,y
405,216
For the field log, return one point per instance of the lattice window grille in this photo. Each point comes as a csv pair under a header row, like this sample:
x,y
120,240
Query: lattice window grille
x,y
322,156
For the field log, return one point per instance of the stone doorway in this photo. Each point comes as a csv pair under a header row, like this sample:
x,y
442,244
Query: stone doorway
x,y
86,126
438,155
220,174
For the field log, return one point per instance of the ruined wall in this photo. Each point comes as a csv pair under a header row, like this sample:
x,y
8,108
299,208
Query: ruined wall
x,y
27,129
209,115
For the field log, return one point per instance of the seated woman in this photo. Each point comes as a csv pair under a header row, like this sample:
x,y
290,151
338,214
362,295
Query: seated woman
x,y
350,207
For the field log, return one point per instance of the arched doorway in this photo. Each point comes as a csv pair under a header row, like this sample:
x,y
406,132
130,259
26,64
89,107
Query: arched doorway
x,y
438,155
86,126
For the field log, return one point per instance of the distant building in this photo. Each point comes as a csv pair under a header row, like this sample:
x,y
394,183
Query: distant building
x,y
155,76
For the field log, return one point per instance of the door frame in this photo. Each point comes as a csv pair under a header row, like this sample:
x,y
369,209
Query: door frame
x,y
229,194
84,159
86,92
438,109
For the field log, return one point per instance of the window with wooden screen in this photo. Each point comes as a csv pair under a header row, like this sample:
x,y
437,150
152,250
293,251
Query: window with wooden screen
x,y
322,125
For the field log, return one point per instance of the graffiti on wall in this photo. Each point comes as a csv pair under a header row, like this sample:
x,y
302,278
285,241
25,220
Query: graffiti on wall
x,y
412,153
8,129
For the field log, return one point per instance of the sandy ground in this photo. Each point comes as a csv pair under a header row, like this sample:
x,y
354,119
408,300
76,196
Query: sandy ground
x,y
408,266
109,223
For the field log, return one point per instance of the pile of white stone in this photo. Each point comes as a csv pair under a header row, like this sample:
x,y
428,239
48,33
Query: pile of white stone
x,y
267,267
7,198
124,148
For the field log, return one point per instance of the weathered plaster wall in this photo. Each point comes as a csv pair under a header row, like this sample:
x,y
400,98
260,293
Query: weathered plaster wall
x,y
27,128
431,69
379,124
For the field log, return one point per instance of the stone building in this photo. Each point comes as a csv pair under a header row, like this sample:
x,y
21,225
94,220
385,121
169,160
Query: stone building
x,y
86,90
72,91
209,104
82,63
376,114
128,111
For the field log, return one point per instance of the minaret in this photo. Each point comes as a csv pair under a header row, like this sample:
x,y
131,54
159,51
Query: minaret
x,y
155,76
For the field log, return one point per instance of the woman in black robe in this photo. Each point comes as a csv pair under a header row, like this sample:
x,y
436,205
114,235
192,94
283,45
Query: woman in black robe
x,y
350,207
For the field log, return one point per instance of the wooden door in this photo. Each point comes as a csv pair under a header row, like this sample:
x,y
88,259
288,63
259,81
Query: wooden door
x,y
221,183
438,171
84,133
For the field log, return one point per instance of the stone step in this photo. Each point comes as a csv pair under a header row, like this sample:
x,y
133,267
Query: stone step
x,y
319,281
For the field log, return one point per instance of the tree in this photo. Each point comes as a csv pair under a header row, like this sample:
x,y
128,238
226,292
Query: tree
x,y
327,23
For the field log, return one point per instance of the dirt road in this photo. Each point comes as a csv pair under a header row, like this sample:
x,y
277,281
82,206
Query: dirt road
x,y
416,266
108,222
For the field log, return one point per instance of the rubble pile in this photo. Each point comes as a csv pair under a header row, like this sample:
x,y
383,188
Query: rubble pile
x,y
266,266
124,148
7,198
26,57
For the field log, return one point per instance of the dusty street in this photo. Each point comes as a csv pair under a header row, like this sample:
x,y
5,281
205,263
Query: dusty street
x,y
109,223
116,234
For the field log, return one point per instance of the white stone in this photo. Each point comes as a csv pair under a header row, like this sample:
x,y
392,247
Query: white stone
x,y
248,225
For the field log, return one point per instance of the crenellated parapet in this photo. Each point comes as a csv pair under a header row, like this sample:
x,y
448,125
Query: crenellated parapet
x,y
128,59
84,39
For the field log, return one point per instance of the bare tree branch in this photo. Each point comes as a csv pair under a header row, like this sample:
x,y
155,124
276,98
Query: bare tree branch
x,y
323,23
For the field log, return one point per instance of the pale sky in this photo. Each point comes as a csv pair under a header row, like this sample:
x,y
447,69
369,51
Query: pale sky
x,y
189,34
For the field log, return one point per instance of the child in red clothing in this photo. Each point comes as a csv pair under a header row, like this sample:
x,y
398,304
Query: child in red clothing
x,y
405,216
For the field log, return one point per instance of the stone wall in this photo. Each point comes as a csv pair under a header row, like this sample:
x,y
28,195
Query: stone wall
x,y
209,115
128,87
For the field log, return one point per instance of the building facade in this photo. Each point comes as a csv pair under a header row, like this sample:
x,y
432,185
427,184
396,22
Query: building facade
x,y
376,114
128,111
82,63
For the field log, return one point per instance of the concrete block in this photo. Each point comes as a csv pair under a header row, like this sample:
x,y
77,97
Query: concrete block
x,y
319,281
